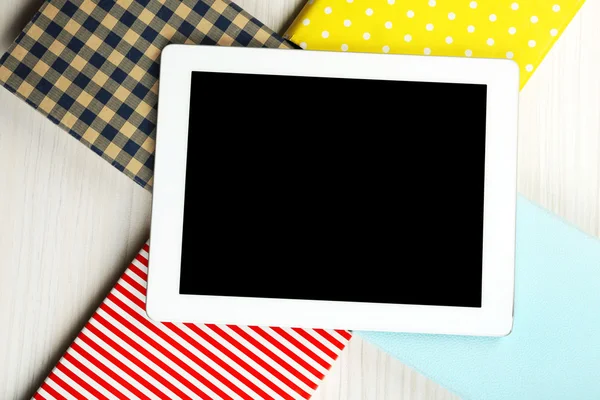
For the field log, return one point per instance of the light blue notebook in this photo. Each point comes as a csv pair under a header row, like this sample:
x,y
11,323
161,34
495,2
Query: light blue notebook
x,y
554,349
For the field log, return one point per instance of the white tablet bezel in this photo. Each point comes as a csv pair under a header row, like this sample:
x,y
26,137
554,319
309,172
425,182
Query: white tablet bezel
x,y
494,318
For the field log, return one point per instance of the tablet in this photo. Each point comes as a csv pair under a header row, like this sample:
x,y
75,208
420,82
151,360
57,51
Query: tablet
x,y
334,190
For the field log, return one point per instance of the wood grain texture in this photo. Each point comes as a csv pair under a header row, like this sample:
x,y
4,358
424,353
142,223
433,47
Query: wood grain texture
x,y
70,223
559,126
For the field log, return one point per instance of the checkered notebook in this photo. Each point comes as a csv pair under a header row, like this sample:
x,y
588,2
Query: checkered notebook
x,y
91,66
121,354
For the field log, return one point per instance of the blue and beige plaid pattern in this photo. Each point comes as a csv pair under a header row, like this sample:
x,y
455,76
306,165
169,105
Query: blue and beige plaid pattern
x,y
91,66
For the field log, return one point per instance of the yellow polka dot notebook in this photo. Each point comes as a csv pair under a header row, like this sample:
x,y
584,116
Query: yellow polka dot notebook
x,y
522,30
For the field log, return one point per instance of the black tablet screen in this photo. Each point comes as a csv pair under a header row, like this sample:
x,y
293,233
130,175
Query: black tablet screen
x,y
334,189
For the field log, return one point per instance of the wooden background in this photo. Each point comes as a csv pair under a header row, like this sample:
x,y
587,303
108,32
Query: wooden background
x,y
70,223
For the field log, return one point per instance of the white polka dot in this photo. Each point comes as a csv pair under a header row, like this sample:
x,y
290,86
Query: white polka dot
x,y
386,49
427,51
407,38
468,53
410,13
350,1
553,32
473,4
449,39
470,29
510,54
556,8
328,10
493,17
388,25
325,34
344,47
391,2
534,19
451,16
512,30
529,67
306,22
303,45
369,11
347,23
366,36
429,27
432,3
514,6
531,43
490,42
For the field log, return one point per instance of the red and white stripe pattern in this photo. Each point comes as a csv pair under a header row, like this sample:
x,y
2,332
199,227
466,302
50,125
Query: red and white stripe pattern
x,y
121,354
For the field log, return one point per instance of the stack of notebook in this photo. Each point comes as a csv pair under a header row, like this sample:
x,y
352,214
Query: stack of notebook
x,y
92,66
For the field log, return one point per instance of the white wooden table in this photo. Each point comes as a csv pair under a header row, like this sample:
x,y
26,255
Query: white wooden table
x,y
70,223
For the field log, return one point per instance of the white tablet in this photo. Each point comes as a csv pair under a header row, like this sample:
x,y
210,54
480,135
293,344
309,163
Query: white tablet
x,y
334,190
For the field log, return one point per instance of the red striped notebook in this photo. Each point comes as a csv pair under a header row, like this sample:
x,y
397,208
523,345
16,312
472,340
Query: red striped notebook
x,y
121,354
